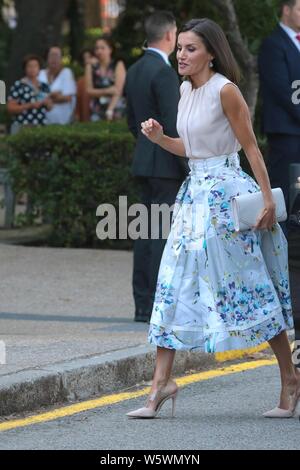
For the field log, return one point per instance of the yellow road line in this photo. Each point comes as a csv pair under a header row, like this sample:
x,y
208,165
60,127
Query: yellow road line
x,y
234,369
238,354
119,397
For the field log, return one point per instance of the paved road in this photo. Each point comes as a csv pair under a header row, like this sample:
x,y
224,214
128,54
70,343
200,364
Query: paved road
x,y
72,303
61,304
220,413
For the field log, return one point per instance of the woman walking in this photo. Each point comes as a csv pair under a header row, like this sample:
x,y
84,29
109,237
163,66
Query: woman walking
x,y
217,289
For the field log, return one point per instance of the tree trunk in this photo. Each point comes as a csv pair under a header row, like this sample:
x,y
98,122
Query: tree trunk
x,y
76,17
246,60
92,14
39,27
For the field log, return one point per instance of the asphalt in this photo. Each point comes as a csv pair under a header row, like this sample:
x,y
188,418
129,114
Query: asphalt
x,y
224,412
66,321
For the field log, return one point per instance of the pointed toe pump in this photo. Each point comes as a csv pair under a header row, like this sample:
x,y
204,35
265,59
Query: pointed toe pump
x,y
158,398
278,413
282,413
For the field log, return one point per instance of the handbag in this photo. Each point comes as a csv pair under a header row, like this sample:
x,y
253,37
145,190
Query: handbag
x,y
247,207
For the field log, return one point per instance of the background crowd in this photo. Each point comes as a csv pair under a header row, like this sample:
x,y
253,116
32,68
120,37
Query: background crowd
x,y
51,95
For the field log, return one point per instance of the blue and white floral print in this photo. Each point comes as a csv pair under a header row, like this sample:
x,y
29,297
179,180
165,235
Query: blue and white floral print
x,y
219,289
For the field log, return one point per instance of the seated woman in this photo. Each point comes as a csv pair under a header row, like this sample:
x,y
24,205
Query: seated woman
x,y
28,98
105,81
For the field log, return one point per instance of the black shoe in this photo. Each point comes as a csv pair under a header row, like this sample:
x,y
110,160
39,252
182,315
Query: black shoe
x,y
142,316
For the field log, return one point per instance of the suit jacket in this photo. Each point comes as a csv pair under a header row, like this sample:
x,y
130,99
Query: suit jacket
x,y
279,67
152,91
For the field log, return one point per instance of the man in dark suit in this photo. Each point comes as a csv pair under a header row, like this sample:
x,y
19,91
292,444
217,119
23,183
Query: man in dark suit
x,y
279,68
152,90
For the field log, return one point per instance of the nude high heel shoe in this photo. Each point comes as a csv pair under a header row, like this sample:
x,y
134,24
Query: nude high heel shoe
x,y
278,413
281,413
160,397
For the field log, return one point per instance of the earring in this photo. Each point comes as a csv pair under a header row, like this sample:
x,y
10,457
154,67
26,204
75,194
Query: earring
x,y
211,64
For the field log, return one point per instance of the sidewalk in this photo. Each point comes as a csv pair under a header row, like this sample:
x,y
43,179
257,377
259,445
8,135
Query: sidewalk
x,y
66,318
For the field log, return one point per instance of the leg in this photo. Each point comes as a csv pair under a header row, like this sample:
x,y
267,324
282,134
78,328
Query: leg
x,y
140,276
163,388
162,372
290,378
163,367
141,260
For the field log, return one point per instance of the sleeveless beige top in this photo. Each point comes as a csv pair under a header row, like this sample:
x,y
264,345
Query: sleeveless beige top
x,y
201,122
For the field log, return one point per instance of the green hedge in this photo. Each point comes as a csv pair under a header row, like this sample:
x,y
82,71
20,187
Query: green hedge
x,y
67,171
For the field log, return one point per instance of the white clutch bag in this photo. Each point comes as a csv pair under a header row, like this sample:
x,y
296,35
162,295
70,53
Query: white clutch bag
x,y
247,207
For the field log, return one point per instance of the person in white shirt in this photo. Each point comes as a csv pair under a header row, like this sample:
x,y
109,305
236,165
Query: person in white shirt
x,y
63,88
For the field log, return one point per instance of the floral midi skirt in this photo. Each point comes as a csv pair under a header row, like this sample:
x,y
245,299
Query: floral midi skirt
x,y
218,289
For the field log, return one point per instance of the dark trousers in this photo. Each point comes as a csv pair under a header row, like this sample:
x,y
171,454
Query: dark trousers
x,y
283,150
147,253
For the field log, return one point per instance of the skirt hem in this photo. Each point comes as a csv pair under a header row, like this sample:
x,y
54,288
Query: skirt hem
x,y
218,341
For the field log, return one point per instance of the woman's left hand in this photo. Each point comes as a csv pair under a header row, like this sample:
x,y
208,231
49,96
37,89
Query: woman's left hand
x,y
267,217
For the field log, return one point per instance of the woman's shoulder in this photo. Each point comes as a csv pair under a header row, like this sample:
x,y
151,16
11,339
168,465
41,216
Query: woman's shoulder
x,y
185,86
16,84
15,89
21,83
66,73
219,85
20,86
43,75
220,81
117,63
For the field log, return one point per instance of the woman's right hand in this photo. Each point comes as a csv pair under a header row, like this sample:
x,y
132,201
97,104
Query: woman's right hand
x,y
152,130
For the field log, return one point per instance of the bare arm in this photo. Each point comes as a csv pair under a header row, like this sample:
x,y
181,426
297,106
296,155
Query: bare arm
x,y
96,92
119,85
154,131
13,107
57,97
237,112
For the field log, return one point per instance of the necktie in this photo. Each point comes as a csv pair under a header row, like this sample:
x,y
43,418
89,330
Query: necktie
x,y
298,37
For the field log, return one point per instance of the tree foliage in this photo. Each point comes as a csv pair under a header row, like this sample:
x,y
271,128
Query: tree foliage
x,y
256,18
43,28
245,22
5,42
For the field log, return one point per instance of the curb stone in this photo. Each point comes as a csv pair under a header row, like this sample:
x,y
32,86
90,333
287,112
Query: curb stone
x,y
85,378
